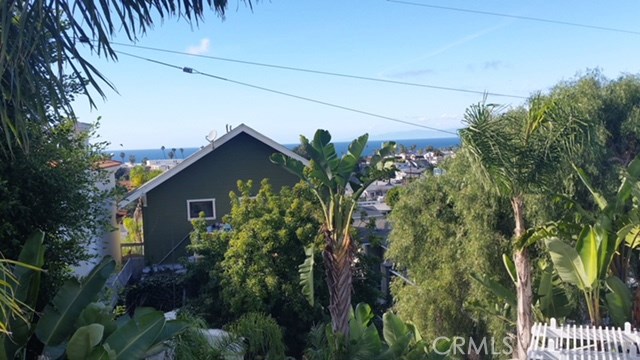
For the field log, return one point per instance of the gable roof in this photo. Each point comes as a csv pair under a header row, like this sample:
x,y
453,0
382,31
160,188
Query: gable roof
x,y
242,128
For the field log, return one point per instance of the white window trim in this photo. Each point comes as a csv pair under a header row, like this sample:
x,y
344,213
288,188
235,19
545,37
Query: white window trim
x,y
213,201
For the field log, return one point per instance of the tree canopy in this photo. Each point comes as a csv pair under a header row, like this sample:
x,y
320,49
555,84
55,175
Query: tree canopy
x,y
54,188
461,228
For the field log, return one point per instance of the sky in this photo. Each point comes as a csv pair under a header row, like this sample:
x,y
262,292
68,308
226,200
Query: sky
x,y
156,105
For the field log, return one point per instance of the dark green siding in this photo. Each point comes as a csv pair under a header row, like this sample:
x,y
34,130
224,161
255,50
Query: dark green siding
x,y
213,176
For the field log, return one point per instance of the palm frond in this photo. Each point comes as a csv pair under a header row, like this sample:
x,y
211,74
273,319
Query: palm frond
x,y
39,37
490,150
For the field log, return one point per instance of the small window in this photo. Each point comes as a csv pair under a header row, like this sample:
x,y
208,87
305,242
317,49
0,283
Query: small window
x,y
196,206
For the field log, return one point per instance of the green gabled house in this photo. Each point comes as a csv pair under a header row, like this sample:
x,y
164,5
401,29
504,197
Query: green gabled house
x,y
201,183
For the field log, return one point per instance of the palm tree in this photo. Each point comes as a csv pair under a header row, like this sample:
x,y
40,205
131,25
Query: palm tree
x,y
182,152
518,153
132,159
42,39
164,156
172,153
122,155
337,184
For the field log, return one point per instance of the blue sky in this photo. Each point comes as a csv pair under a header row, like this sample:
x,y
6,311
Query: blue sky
x,y
157,105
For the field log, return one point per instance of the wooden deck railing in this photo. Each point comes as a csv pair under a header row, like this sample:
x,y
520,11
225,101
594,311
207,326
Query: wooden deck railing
x,y
131,249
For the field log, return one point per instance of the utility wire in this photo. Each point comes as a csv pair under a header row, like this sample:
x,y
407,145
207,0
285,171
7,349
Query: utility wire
x,y
529,18
196,72
320,72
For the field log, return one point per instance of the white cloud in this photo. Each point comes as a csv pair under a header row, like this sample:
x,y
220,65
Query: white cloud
x,y
200,49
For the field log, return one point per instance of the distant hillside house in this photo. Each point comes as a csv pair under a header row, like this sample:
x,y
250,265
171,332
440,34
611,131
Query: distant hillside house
x,y
201,183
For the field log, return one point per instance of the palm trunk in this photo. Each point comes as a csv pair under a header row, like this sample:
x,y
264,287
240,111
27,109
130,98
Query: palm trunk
x,y
337,261
523,287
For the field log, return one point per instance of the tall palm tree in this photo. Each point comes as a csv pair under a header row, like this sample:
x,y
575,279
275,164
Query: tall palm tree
x,y
42,39
164,156
518,153
122,155
337,184
182,152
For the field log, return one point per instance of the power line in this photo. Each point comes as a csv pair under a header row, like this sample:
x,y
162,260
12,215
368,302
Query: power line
x,y
196,72
320,72
529,18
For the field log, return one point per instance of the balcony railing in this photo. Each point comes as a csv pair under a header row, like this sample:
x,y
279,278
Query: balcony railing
x,y
131,249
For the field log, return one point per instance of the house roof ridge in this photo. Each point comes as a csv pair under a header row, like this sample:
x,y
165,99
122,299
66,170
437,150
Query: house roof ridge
x,y
242,128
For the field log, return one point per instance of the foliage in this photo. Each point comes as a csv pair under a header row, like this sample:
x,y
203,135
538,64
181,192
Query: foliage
x,y
73,326
301,150
400,340
261,333
141,174
134,230
392,197
253,268
40,41
19,291
447,230
53,188
585,266
518,153
337,183
276,225
162,290
603,250
191,344
457,217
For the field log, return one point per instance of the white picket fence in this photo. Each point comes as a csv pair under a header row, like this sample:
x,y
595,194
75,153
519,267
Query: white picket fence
x,y
550,341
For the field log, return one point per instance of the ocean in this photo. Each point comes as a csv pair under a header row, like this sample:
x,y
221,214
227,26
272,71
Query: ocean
x,y
341,148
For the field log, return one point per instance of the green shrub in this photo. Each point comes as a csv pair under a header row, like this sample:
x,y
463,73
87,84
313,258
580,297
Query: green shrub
x,y
191,344
161,290
262,335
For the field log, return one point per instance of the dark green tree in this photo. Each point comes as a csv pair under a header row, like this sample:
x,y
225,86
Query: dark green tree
x,y
254,268
53,188
445,229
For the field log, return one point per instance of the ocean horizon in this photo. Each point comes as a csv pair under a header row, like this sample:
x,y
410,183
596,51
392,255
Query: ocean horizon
x,y
341,148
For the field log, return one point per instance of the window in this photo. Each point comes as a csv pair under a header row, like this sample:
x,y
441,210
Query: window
x,y
196,206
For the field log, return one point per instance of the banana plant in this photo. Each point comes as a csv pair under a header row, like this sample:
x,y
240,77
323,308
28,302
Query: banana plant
x,y
400,340
551,297
337,183
25,283
587,267
620,215
74,326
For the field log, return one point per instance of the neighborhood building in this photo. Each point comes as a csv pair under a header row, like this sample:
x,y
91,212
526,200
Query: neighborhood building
x,y
201,183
